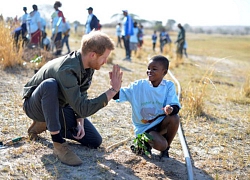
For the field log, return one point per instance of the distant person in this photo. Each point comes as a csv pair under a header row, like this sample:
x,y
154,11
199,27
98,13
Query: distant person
x,y
34,26
180,41
66,34
156,109
134,39
118,35
56,97
92,21
1,18
127,31
76,26
58,21
21,30
154,40
164,39
43,25
45,42
140,34
185,49
99,26
17,32
24,23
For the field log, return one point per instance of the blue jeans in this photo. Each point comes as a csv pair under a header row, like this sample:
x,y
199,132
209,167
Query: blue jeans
x,y
66,41
43,106
57,43
126,45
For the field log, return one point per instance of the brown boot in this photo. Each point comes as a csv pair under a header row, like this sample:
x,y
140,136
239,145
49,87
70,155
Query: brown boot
x,y
65,155
35,129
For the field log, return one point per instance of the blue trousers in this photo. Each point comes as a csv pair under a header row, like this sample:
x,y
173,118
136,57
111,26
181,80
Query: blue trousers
x,y
66,41
57,43
126,45
43,106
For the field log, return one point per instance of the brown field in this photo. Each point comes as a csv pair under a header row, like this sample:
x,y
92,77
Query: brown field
x,y
215,117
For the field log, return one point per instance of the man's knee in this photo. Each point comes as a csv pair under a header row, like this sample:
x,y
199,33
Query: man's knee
x,y
50,83
92,143
98,142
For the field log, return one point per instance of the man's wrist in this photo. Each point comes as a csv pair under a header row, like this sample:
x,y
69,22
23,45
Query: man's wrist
x,y
112,89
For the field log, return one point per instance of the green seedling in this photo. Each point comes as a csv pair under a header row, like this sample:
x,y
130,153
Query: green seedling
x,y
140,144
37,59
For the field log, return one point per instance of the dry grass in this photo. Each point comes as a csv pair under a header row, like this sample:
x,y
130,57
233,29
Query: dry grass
x,y
246,87
10,55
218,137
234,47
215,116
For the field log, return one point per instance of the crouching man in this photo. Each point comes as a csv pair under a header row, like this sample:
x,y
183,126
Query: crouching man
x,y
56,96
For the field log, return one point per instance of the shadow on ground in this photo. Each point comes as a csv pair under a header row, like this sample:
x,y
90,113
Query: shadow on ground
x,y
118,164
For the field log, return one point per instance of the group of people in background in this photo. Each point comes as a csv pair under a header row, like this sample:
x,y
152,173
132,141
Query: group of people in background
x,y
164,39
130,33
132,36
33,30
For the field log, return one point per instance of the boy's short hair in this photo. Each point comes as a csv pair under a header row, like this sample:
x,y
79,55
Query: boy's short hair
x,y
162,59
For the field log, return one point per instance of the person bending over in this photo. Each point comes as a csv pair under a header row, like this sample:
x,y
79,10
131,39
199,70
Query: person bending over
x,y
56,96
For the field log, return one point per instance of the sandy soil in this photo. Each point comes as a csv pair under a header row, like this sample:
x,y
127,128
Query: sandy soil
x,y
113,160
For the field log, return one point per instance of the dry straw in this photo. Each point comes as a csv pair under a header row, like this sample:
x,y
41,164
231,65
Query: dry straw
x,y
10,53
246,87
194,94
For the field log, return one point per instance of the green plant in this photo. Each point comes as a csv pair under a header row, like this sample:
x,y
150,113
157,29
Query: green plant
x,y
140,144
36,59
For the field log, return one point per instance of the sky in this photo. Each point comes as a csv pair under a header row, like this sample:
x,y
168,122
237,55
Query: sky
x,y
192,12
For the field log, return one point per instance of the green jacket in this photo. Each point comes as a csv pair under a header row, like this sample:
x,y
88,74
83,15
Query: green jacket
x,y
181,36
73,82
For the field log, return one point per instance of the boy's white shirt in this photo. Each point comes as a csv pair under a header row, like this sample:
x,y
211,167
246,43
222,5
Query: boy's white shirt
x,y
147,101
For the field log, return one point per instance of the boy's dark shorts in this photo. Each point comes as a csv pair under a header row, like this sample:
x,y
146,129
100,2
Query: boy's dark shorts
x,y
156,128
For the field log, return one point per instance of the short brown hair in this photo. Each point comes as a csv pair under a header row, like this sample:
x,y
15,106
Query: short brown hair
x,y
96,41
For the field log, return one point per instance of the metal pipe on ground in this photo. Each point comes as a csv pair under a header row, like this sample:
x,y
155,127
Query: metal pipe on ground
x,y
181,137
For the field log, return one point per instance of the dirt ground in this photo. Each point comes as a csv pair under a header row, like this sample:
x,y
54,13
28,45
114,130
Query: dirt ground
x,y
34,160
113,160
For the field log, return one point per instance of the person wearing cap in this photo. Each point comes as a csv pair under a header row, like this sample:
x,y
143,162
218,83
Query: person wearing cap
x,y
92,21
127,31
56,97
